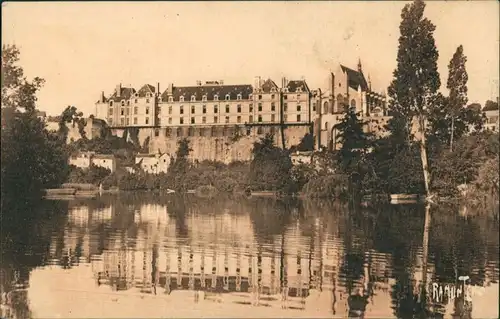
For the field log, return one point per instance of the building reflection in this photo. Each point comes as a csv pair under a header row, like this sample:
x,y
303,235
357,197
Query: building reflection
x,y
221,255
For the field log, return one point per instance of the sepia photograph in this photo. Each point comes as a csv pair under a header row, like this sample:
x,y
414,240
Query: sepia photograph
x,y
250,159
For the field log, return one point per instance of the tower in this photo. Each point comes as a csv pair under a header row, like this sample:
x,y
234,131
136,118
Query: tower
x,y
360,69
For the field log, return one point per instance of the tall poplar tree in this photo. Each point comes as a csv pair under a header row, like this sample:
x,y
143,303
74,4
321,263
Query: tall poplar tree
x,y
416,79
457,84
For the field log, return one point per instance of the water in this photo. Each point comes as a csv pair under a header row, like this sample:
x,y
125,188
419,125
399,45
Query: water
x,y
151,256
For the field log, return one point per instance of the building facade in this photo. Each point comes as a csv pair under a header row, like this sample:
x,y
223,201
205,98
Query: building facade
x,y
347,88
86,159
211,103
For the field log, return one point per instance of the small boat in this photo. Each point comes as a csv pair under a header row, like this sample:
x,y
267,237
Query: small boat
x,y
406,198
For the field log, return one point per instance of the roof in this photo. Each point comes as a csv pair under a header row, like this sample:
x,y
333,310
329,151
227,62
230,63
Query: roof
x,y
210,91
293,86
355,78
125,94
147,88
104,156
268,85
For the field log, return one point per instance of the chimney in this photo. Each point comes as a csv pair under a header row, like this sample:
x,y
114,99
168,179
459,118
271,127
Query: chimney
x,y
360,68
170,88
198,82
118,90
158,88
284,82
257,82
102,96
221,82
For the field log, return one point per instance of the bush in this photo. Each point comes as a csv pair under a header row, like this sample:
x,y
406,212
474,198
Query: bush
x,y
327,186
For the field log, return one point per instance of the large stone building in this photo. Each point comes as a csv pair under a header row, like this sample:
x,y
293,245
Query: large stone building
x,y
348,88
221,121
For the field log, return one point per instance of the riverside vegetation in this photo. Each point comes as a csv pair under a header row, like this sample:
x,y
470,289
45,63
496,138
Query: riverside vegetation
x,y
454,151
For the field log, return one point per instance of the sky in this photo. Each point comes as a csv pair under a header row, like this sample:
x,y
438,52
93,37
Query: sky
x,y
82,49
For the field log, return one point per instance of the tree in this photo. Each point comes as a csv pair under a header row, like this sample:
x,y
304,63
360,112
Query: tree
x,y
32,158
270,166
354,140
180,166
416,78
490,105
457,84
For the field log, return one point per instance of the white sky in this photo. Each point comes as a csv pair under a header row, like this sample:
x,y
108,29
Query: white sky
x,y
81,49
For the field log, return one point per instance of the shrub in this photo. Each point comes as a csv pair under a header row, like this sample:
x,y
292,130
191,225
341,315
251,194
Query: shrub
x,y
327,186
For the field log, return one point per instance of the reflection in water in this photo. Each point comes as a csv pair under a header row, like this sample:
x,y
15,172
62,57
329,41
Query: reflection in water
x,y
180,257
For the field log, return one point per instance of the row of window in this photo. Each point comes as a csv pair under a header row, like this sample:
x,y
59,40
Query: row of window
x,y
204,99
204,109
126,121
211,132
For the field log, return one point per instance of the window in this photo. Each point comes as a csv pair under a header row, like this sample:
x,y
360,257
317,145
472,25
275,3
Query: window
x,y
127,121
239,108
314,106
325,108
228,97
285,107
110,103
260,118
122,121
123,103
170,99
250,119
273,107
204,110
216,109
168,132
193,120
238,119
298,108
110,121
181,111
259,130
110,111
135,101
250,108
157,132
147,100
190,131
128,111
181,121
216,97
122,112
227,119
216,119
135,110
178,132
260,107
298,117
298,96
272,117
227,108
170,109
285,97
238,97
272,96
147,120
260,96
204,120
128,103
285,117
204,98
193,98
169,120
135,120
192,109
181,99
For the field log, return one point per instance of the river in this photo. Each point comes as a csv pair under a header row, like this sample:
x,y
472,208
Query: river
x,y
145,255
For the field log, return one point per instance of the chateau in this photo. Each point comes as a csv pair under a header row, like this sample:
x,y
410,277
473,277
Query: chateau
x,y
222,121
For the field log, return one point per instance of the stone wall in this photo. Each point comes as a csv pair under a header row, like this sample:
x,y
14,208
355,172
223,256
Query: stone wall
x,y
219,143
